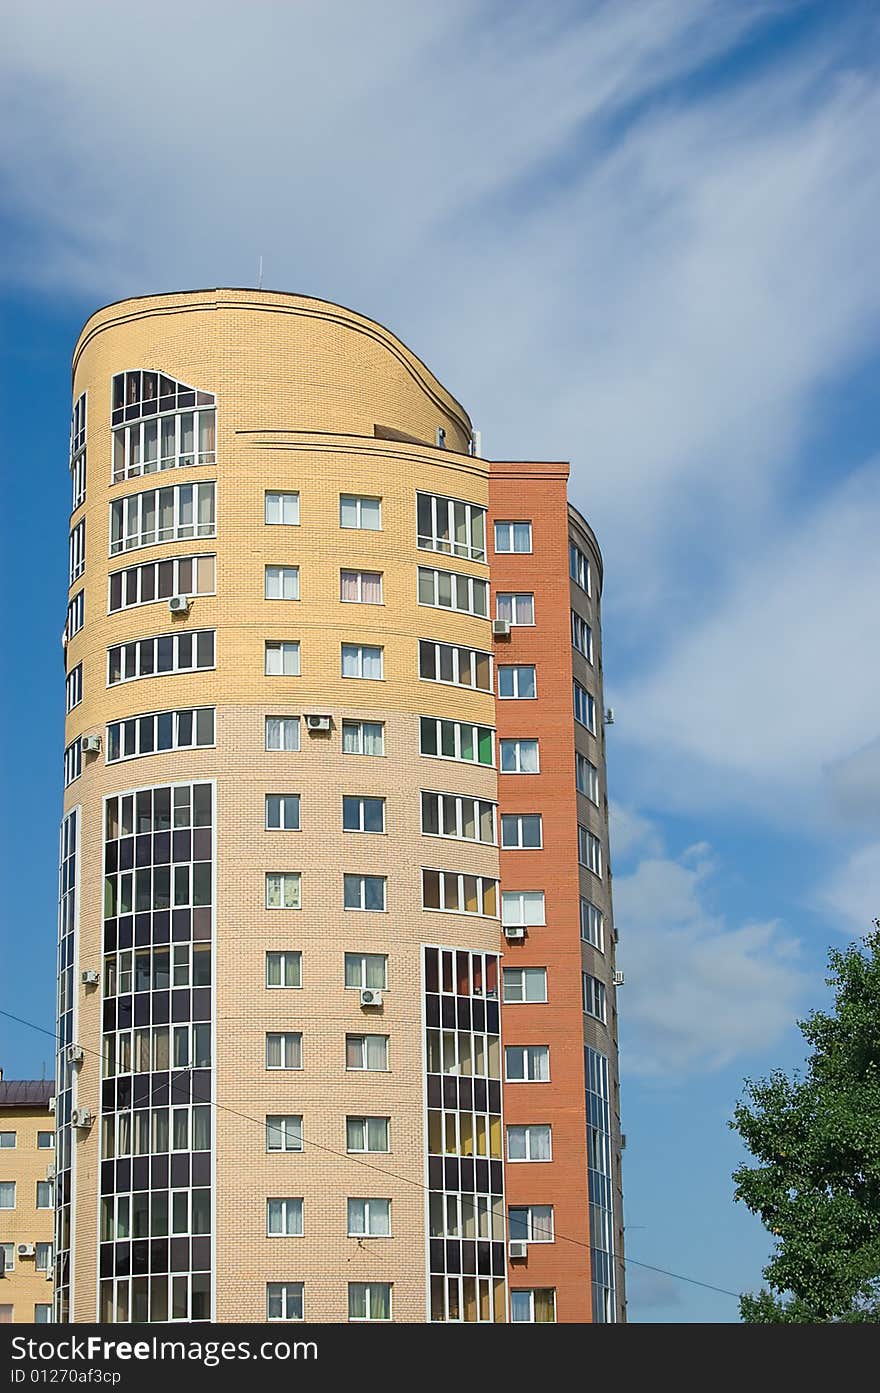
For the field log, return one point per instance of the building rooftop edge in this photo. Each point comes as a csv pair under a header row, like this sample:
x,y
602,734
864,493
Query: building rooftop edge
x,y
25,1093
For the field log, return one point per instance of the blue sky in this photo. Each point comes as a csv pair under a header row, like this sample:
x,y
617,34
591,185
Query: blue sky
x,y
640,236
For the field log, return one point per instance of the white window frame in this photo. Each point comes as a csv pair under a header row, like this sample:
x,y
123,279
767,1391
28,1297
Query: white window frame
x,y
294,957
516,669
284,800
359,577
175,713
368,1150
130,511
43,1260
527,1128
584,706
536,1233
14,1185
530,1292
291,1043
45,1187
287,650
359,727
281,574
592,924
530,1055
284,497
288,1207
517,910
8,1145
48,1145
9,1257
359,499
77,551
361,908
283,749
590,851
581,636
463,592
383,1208
517,844
368,1301
595,997
518,742
457,650
447,544
457,728
78,425
579,568
283,1292
134,575
73,687
72,762
512,549
360,960
359,649
458,802
363,1037
482,881
283,877
586,777
131,653
509,975
75,615
508,604
360,799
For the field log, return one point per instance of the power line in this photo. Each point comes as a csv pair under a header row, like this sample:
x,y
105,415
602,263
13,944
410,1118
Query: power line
x,y
381,1170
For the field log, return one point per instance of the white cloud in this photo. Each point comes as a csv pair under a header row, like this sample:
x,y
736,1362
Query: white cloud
x,y
698,991
853,891
630,832
854,784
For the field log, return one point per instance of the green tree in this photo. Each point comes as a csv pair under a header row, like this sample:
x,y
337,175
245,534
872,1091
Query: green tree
x,y
816,1138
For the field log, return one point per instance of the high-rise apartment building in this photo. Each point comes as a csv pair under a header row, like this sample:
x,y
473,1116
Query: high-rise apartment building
x,y
336,960
27,1173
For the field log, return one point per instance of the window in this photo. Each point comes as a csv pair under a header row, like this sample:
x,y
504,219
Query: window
x,y
162,515
369,1218
463,667
44,1257
368,1052
517,682
369,1301
516,609
530,1223
168,424
7,1256
366,1134
282,732
522,907
45,1197
519,757
282,659
594,997
600,1178
529,1143
153,581
527,1063
360,587
284,969
364,892
584,708
587,778
75,616
525,984
366,970
581,636
521,831
78,452
448,815
185,651
536,1306
73,762
590,851
459,894
592,925
188,729
42,1313
283,890
361,660
363,738
284,1133
452,526
455,740
45,1141
77,551
363,814
282,812
7,1141
284,1218
362,513
282,582
284,1051
282,509
578,567
513,536
284,1300
452,590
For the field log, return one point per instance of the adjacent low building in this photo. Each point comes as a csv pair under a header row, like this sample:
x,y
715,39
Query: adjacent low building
x,y
27,1188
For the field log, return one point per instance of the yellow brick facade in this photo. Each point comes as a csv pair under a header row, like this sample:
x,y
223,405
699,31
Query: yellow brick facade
x,y
24,1287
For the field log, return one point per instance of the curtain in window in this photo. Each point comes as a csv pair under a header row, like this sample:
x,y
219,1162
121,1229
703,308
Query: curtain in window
x,y
351,744
380,1301
348,586
545,1306
350,660
376,1051
372,662
372,588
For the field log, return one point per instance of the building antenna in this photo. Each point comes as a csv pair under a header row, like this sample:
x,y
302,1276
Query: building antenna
x,y
260,280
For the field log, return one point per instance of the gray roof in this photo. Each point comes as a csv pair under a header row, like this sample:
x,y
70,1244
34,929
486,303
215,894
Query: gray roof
x,y
25,1093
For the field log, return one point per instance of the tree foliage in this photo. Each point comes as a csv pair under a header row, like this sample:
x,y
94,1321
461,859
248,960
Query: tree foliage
x,y
816,1139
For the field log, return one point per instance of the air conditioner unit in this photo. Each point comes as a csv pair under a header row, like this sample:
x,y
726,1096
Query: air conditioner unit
x,y
80,1117
514,933
90,978
518,1248
179,604
90,744
51,1104
609,715
623,1141
26,1250
317,722
370,996
501,628
50,1172
49,1274
75,1054
619,979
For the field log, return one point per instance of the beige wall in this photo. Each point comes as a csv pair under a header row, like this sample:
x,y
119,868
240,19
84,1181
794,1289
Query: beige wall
x,y
25,1163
